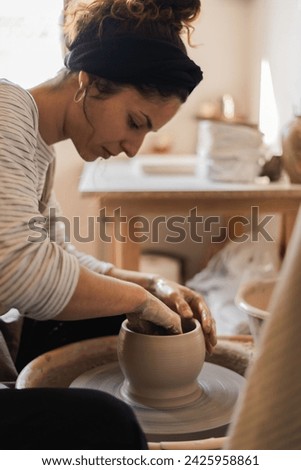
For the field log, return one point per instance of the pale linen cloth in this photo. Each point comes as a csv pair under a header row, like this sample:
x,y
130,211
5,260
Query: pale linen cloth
x,y
269,413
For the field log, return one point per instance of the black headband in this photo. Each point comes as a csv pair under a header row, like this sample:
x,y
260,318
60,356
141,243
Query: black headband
x,y
135,60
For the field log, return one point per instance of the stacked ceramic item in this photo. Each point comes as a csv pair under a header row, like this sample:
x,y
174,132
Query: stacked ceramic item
x,y
230,151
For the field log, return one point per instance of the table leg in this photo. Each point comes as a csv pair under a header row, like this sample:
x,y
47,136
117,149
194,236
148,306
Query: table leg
x,y
288,222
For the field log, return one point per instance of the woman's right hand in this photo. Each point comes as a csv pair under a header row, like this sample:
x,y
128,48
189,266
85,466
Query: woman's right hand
x,y
156,312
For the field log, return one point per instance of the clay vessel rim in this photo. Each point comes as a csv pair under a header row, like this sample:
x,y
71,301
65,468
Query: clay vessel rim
x,y
251,287
161,337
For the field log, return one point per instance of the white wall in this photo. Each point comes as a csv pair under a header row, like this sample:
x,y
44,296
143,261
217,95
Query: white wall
x,y
275,36
221,35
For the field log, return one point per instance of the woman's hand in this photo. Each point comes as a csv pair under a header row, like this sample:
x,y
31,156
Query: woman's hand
x,y
154,317
179,299
187,304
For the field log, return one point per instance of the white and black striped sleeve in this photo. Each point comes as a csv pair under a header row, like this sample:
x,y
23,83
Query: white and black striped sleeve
x,y
37,278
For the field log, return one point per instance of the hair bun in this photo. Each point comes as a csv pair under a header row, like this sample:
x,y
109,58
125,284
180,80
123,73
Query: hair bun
x,y
183,10
179,12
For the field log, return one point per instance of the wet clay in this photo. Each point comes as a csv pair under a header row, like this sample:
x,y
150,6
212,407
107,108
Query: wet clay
x,y
161,371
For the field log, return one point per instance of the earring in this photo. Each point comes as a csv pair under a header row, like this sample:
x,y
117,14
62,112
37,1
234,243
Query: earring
x,y
80,94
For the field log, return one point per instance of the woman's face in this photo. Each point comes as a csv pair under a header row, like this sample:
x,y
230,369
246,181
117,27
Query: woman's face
x,y
116,124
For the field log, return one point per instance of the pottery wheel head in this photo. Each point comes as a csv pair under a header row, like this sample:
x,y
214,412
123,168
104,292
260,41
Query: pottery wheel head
x,y
206,416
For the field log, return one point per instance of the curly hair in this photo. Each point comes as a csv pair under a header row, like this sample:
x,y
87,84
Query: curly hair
x,y
161,19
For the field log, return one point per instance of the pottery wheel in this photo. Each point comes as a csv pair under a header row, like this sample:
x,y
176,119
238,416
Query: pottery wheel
x,y
208,416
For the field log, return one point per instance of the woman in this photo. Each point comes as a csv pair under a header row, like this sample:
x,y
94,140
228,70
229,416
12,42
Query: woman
x,y
127,73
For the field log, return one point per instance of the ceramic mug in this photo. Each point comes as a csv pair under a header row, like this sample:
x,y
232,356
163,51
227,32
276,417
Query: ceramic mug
x,y
161,371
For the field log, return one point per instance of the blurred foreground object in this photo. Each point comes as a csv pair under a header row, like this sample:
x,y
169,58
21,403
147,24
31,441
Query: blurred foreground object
x,y
291,144
269,413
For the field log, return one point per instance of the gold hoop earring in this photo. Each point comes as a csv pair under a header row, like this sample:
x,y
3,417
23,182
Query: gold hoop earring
x,y
80,94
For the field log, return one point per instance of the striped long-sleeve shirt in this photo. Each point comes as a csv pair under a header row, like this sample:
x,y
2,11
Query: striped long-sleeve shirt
x,y
36,278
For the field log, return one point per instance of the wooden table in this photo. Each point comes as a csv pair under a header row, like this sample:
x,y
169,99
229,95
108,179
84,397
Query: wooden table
x,y
177,187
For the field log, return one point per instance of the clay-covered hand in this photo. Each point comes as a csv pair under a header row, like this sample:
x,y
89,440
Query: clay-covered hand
x,y
187,304
154,317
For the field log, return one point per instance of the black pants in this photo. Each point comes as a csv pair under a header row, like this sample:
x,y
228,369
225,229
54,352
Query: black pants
x,y
66,419
39,337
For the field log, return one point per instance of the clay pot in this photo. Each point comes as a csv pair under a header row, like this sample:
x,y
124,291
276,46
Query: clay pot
x,y
161,371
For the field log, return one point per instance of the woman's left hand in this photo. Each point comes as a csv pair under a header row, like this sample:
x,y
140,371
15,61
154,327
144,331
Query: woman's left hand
x,y
187,304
